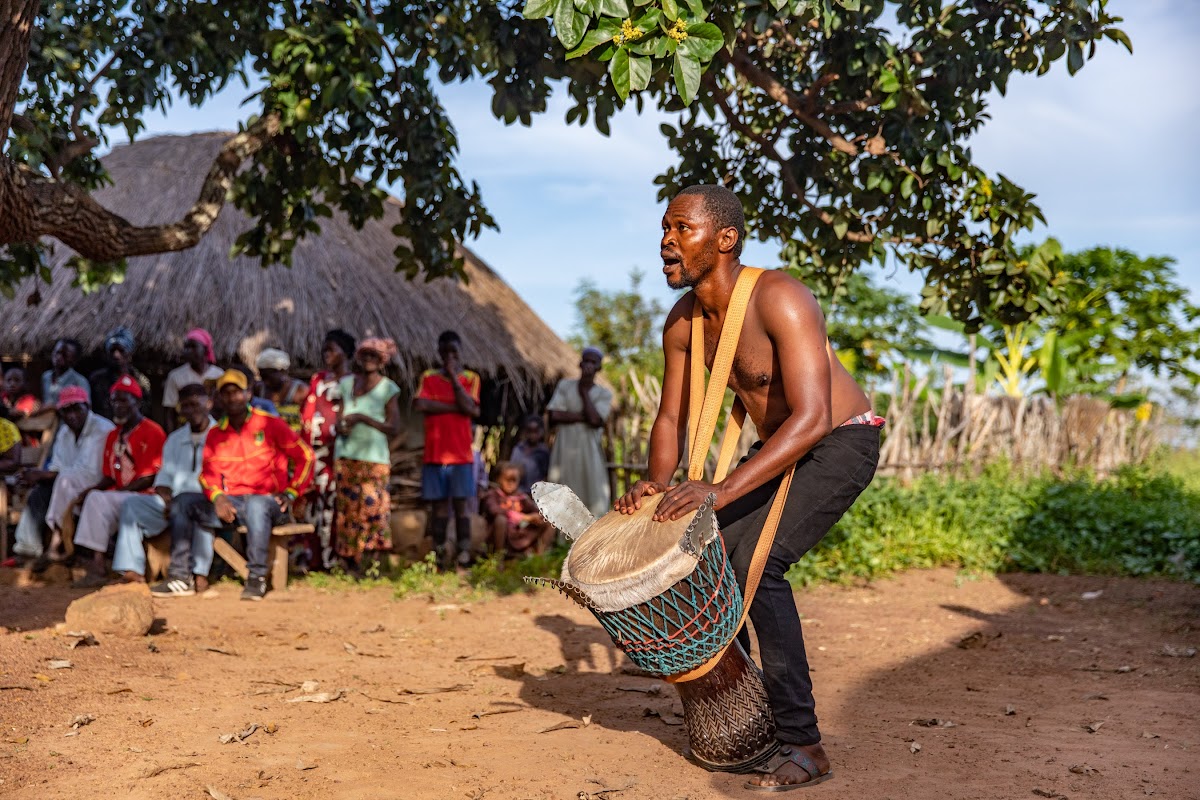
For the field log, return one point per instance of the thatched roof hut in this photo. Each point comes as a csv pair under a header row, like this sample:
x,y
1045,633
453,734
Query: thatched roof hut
x,y
341,278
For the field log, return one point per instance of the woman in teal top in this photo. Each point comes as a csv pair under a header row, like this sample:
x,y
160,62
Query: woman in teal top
x,y
369,418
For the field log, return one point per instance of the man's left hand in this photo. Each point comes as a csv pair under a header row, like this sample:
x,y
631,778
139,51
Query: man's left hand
x,y
285,502
684,499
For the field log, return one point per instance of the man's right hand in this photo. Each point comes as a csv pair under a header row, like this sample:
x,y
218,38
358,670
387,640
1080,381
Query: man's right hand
x,y
632,500
224,508
164,494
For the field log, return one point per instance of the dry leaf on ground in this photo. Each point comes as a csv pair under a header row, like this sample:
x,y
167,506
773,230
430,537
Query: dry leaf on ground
x,y
1172,651
319,697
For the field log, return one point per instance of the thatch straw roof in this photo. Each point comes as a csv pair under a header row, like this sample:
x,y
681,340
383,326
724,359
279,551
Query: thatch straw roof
x,y
341,278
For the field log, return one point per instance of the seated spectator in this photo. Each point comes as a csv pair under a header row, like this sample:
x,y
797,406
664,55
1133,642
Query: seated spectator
x,y
287,393
132,456
530,453
74,465
62,374
10,453
513,520
199,367
15,399
245,478
118,356
176,491
261,403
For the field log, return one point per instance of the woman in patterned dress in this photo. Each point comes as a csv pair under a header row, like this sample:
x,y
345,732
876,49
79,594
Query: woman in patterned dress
x,y
369,418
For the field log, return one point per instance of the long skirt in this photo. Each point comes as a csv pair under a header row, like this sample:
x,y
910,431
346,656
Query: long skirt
x,y
364,509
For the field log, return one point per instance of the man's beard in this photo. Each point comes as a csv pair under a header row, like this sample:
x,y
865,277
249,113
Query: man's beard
x,y
705,262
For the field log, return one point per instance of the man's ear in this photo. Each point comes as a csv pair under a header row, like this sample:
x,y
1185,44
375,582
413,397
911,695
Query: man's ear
x,y
727,240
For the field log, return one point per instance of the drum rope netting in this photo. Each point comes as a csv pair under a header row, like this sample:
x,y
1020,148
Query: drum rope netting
x,y
683,627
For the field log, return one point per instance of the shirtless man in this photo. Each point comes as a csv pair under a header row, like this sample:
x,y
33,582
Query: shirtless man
x,y
809,412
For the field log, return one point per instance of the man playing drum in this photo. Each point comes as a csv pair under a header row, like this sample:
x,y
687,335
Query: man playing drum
x,y
808,411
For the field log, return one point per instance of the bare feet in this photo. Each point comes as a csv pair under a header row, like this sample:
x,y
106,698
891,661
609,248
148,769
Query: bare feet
x,y
132,577
794,766
201,584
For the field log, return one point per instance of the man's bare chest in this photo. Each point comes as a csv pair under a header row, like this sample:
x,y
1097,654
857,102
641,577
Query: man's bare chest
x,y
754,364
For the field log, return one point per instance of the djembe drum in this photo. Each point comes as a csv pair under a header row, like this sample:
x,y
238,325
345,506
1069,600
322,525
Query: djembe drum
x,y
666,593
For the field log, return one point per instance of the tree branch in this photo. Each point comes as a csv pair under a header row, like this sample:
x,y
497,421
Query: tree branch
x,y
46,207
769,150
81,143
788,99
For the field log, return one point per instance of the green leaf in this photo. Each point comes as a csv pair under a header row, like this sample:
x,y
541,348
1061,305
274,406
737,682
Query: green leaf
x,y
850,5
906,186
1121,37
687,76
591,40
888,82
703,42
670,9
568,23
639,73
538,9
614,8
697,7
1075,58
840,226
618,69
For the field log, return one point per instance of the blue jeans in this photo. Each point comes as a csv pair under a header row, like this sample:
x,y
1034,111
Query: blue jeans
x,y
142,517
258,512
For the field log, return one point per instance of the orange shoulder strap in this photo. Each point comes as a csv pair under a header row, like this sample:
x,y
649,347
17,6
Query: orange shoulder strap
x,y
704,406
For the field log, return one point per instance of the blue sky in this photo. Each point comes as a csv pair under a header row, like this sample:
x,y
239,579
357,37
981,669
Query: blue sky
x,y
1107,152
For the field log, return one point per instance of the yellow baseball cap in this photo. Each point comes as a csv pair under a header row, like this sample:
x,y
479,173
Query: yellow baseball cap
x,y
234,376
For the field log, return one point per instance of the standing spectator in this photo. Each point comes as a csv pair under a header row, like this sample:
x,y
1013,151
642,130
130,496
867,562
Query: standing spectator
x,y
199,367
118,356
579,408
530,453
287,393
248,458
318,428
132,456
62,374
74,465
176,490
514,523
370,417
449,399
15,398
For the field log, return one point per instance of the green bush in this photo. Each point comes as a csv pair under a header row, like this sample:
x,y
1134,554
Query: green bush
x,y
1141,521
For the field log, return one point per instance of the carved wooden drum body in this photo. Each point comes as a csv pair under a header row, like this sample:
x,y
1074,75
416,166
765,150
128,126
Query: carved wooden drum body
x,y
666,593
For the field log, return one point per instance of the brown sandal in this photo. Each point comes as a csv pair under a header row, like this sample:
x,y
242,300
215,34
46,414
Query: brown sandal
x,y
795,756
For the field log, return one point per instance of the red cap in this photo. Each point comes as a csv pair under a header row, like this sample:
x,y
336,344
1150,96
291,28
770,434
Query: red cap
x,y
71,395
128,385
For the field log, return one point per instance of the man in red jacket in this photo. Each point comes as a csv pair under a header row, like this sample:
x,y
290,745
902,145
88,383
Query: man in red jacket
x,y
246,475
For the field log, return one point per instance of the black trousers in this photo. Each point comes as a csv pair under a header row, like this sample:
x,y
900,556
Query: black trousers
x,y
826,483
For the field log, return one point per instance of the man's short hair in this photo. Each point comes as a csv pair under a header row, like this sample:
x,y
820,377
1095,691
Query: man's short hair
x,y
723,207
449,336
192,390
343,340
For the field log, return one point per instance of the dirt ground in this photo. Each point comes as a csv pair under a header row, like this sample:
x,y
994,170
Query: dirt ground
x,y
1046,664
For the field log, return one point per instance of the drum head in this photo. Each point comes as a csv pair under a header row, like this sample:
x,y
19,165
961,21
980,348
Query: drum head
x,y
626,559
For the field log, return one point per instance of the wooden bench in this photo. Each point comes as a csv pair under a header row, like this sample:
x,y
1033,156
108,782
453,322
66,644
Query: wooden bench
x,y
277,553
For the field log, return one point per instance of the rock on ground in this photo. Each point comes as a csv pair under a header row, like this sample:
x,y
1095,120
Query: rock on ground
x,y
124,610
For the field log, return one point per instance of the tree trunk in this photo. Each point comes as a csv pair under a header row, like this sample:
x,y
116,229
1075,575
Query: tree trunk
x,y
16,30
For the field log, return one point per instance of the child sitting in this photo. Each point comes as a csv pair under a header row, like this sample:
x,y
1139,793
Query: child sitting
x,y
515,525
